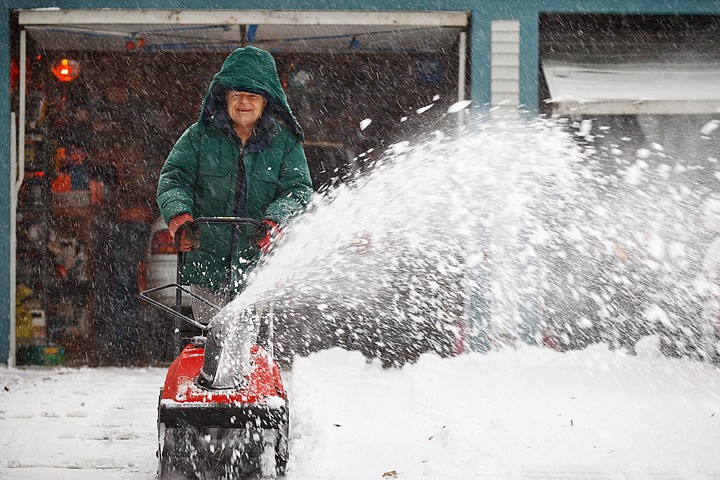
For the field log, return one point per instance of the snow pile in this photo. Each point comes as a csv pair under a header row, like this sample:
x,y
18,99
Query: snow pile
x,y
527,414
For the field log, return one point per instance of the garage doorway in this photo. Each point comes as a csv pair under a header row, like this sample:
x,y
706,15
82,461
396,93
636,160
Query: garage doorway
x,y
135,80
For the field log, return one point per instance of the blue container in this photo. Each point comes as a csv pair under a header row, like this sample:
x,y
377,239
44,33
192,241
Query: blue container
x,y
79,179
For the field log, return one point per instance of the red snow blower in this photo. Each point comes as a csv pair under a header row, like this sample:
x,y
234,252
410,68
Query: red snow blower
x,y
214,429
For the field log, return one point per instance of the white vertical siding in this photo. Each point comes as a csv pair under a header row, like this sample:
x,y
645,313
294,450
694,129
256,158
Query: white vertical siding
x,y
505,66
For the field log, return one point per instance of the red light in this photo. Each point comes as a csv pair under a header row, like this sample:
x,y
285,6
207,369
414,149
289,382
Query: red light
x,y
162,244
66,70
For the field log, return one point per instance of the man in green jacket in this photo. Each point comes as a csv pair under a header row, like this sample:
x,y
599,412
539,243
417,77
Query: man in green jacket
x,y
237,160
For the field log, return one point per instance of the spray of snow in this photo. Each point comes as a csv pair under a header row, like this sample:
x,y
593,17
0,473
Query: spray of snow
x,y
501,232
710,127
365,123
459,106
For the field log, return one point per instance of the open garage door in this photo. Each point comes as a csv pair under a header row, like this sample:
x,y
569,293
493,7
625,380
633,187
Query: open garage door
x,y
98,134
631,64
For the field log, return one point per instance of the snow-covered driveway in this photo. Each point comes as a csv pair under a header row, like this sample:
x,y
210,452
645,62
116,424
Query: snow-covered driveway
x,y
524,414
79,423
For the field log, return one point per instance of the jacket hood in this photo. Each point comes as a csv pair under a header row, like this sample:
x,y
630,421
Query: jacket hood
x,y
249,69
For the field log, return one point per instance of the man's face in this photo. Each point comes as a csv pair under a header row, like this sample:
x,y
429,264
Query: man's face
x,y
244,108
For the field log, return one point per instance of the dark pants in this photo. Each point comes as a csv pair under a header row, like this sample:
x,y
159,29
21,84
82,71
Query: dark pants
x,y
117,312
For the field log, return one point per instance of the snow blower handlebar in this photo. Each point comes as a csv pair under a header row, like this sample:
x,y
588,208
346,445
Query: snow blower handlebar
x,y
179,288
227,221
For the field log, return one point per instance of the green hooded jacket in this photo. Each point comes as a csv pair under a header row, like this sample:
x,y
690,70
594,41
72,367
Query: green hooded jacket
x,y
209,173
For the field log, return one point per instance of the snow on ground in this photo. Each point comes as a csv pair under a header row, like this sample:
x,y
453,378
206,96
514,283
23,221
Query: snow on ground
x,y
519,414
78,423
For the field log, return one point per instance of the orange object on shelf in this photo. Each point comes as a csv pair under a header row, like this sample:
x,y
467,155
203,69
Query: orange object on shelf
x,y
97,189
61,183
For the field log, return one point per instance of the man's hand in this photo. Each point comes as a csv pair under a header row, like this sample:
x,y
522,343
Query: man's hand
x,y
267,235
185,234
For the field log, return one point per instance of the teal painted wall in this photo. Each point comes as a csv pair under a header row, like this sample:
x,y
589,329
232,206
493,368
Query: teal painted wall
x,y
482,13
4,187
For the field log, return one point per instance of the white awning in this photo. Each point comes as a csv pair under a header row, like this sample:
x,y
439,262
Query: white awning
x,y
281,31
633,88
435,18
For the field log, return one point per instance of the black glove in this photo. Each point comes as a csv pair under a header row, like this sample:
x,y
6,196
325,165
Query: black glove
x,y
187,237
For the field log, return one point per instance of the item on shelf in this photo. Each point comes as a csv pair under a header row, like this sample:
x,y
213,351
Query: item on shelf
x,y
70,258
31,355
32,192
34,148
40,355
23,325
39,324
77,198
65,251
71,187
33,232
70,318
53,356
23,318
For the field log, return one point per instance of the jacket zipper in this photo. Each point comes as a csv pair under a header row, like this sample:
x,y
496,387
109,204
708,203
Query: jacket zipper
x,y
238,192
